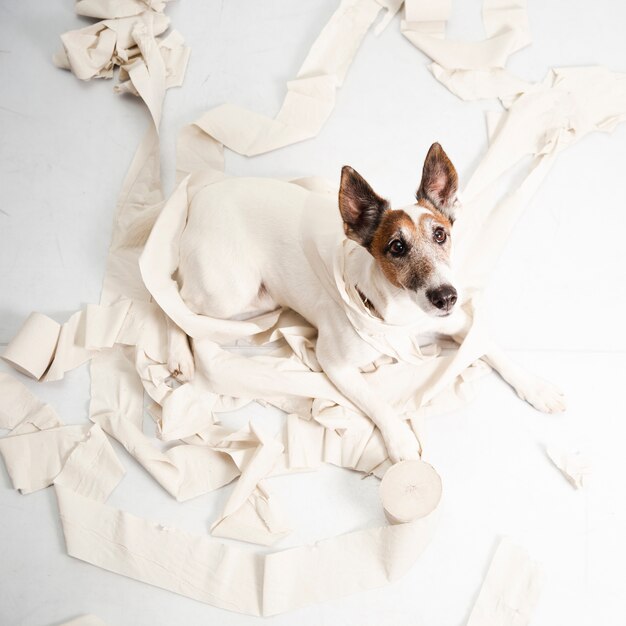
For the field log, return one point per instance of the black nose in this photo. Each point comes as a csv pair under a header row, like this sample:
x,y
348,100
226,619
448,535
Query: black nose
x,y
443,297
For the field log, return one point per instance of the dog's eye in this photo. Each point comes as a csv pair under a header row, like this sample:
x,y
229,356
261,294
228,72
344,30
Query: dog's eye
x,y
439,235
397,247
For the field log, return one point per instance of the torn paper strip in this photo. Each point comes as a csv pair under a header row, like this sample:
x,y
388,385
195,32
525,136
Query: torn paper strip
x,y
573,464
510,590
21,411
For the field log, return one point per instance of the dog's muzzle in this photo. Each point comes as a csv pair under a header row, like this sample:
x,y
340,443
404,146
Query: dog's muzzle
x,y
443,298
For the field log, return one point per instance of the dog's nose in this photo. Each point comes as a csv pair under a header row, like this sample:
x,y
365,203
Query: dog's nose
x,y
443,297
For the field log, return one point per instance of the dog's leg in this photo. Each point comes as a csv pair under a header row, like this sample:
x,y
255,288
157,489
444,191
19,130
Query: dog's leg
x,y
539,393
333,352
180,361
399,439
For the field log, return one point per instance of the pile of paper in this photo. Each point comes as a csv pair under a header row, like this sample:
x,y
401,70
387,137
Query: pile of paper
x,y
125,336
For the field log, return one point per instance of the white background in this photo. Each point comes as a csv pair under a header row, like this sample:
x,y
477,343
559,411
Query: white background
x,y
558,299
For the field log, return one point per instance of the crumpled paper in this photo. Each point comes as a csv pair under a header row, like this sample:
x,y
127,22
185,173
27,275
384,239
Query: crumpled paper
x,y
573,464
127,38
40,450
21,412
82,465
539,120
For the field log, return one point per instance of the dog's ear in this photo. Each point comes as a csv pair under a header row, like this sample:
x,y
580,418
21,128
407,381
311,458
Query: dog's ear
x,y
360,207
439,182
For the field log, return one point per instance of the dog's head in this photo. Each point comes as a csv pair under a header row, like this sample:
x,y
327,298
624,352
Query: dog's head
x,y
411,245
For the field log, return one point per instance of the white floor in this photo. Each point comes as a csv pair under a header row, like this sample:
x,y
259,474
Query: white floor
x,y
558,299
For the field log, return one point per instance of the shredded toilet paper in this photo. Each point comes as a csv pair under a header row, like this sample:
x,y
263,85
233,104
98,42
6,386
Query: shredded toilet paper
x,y
510,590
507,596
124,336
127,37
573,464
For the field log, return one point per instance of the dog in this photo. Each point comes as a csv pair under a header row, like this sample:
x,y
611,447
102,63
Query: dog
x,y
248,253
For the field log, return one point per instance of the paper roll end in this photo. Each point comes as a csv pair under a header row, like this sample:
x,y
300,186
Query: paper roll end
x,y
410,490
32,349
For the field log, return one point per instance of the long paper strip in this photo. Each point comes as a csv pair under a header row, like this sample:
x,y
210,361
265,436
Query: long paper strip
x,y
510,590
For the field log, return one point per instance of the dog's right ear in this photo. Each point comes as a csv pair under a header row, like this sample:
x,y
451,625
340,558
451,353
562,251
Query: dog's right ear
x,y
360,207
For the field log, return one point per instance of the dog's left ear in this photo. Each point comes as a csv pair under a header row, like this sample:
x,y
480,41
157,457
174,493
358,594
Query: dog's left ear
x,y
439,182
360,207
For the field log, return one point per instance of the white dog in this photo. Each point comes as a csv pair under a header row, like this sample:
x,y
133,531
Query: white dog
x,y
249,253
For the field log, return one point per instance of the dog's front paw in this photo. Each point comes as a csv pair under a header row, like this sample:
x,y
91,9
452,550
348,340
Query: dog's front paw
x,y
400,441
181,365
541,394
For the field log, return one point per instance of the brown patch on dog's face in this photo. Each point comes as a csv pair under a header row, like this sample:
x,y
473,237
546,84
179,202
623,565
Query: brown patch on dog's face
x,y
410,245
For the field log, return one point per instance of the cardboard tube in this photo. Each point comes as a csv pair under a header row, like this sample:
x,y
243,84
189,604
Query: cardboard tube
x,y
409,491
